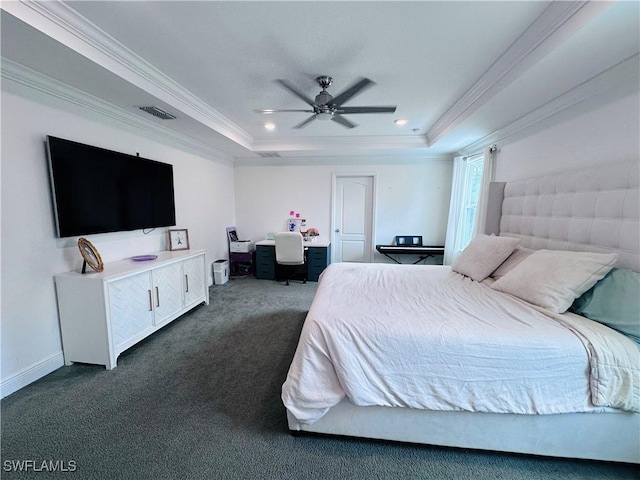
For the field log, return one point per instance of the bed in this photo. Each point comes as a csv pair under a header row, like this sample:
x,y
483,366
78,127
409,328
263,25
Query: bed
x,y
454,356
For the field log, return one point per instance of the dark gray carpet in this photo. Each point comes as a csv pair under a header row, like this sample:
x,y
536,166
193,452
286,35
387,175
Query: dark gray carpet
x,y
200,399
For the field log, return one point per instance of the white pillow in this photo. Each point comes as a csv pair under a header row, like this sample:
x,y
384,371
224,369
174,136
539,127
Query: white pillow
x,y
553,279
518,255
483,255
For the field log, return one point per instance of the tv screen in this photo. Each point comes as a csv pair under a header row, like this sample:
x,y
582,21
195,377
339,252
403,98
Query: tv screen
x,y
100,191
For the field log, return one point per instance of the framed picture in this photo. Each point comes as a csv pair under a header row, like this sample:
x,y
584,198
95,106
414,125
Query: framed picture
x,y
232,234
179,239
90,256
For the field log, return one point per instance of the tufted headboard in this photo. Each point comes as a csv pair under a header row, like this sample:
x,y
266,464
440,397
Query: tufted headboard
x,y
595,209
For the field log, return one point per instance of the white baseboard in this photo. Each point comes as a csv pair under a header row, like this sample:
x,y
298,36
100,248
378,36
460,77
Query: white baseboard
x,y
31,374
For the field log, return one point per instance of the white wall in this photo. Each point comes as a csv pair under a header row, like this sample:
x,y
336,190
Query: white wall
x,y
609,133
31,253
412,198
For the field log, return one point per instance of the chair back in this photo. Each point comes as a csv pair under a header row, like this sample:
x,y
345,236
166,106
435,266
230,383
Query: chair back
x,y
289,248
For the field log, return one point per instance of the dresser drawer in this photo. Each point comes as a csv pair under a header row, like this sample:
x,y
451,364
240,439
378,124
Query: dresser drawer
x,y
317,255
265,262
317,261
265,272
265,252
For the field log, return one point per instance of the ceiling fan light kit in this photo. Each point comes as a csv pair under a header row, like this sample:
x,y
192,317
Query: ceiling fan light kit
x,y
326,107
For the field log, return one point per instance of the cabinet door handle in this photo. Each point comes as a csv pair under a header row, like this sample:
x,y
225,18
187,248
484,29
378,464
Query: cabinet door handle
x,y
186,279
150,304
158,297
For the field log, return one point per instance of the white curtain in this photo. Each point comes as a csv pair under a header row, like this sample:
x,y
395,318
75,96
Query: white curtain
x,y
488,175
451,246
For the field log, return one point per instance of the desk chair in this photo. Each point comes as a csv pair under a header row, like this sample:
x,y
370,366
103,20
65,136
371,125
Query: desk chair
x,y
290,252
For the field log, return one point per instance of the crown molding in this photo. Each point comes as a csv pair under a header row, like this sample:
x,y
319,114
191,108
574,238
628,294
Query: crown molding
x,y
558,21
323,144
354,159
26,78
62,23
625,73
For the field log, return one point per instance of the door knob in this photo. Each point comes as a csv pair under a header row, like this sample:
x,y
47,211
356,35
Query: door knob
x,y
337,230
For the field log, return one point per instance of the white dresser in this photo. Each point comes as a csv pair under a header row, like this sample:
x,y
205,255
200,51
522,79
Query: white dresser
x,y
103,314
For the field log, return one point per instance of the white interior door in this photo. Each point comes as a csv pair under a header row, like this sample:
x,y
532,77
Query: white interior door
x,y
353,219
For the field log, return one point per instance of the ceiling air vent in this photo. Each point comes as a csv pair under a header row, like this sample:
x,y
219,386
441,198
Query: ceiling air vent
x,y
158,112
269,154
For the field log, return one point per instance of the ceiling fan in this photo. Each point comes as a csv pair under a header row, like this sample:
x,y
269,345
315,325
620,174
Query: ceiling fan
x,y
327,107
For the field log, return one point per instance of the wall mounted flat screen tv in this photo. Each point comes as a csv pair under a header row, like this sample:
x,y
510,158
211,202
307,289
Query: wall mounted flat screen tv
x,y
100,191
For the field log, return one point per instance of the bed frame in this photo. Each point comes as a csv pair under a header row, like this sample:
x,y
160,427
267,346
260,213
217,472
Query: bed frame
x,y
595,209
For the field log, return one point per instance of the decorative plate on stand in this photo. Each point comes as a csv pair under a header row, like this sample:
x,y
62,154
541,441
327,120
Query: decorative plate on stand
x,y
90,256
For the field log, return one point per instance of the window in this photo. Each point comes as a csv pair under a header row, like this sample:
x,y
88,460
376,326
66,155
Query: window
x,y
470,197
471,177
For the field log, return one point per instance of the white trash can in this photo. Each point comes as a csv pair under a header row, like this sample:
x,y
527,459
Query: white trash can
x,y
220,272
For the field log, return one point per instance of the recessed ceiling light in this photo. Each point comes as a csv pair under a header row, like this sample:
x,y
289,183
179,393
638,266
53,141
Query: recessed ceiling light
x,y
400,121
270,126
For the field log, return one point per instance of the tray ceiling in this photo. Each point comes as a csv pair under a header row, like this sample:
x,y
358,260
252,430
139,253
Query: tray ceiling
x,y
461,73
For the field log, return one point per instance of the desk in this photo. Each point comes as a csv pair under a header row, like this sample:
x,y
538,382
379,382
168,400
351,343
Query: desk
x,y
423,251
318,257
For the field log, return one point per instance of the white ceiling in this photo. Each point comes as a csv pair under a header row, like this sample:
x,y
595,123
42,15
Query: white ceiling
x,y
464,73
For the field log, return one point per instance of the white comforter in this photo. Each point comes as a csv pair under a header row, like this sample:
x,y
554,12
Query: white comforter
x,y
426,337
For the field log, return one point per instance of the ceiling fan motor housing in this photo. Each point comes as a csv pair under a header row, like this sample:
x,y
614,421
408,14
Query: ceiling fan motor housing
x,y
323,98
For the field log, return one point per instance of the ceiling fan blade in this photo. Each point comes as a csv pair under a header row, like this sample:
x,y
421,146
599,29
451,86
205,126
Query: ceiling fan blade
x,y
307,121
343,121
349,110
352,91
279,110
296,92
